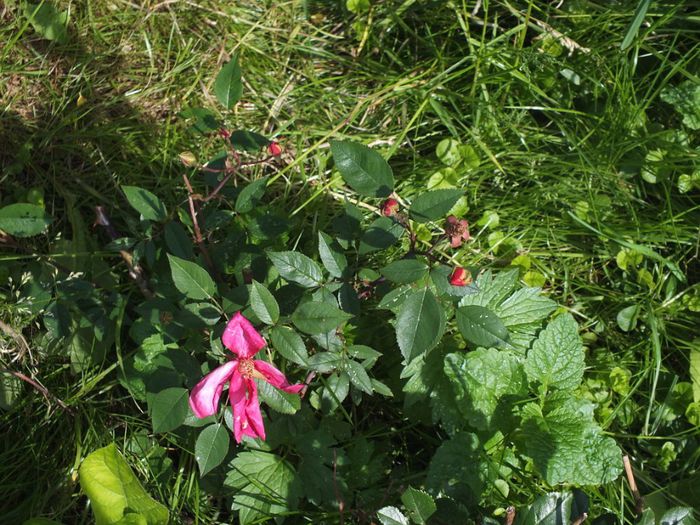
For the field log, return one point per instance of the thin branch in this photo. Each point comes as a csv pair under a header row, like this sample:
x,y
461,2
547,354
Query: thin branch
x,y
638,500
36,385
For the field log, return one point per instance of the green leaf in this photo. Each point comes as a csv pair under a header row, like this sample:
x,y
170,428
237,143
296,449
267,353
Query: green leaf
x,y
381,234
481,326
557,358
296,267
146,203
554,508
566,445
205,121
525,306
492,290
678,516
278,400
228,87
636,23
433,205
114,490
357,6
315,317
419,504
248,140
358,376
211,447
191,279
364,170
391,516
405,271
627,317
695,372
264,485
485,382
685,98
325,362
24,220
420,324
263,303
177,241
249,196
47,21
331,254
168,409
289,345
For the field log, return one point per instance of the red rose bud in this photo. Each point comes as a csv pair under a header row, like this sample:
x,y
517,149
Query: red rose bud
x,y
274,149
390,207
460,277
224,133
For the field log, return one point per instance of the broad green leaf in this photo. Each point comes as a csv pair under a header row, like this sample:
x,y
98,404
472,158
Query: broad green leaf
x,y
554,508
525,306
289,345
325,362
168,409
211,447
114,490
264,485
557,357
627,317
420,324
278,400
395,298
358,376
48,21
249,196
405,271
492,290
191,279
481,326
146,203
24,220
357,6
316,317
263,303
485,382
685,98
363,169
433,205
178,242
296,267
248,140
419,504
331,254
228,87
566,445
205,122
448,151
381,234
679,516
391,516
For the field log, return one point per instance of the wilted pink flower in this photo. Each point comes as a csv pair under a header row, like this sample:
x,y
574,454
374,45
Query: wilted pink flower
x,y
390,207
457,230
274,149
460,277
243,340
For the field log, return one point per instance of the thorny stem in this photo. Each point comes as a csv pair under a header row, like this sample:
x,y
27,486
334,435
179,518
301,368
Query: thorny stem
x,y
198,238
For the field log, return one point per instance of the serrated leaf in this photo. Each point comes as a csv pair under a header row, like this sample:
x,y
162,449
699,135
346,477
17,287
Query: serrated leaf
x,y
433,205
405,271
325,362
491,290
525,306
114,490
363,169
420,324
557,357
146,203
358,376
250,141
315,317
481,326
278,400
191,279
685,98
420,505
296,267
395,298
264,485
168,409
289,345
550,509
48,21
331,255
24,220
249,196
211,447
391,516
381,234
228,87
263,303
484,382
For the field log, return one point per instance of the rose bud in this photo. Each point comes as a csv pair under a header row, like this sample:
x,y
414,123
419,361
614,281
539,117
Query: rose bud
x,y
390,207
460,277
188,159
274,149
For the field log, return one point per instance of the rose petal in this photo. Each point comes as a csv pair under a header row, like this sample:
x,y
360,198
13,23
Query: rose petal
x,y
275,377
241,337
204,398
247,419
255,420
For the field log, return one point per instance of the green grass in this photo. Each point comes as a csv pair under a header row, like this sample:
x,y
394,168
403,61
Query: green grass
x,y
425,71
